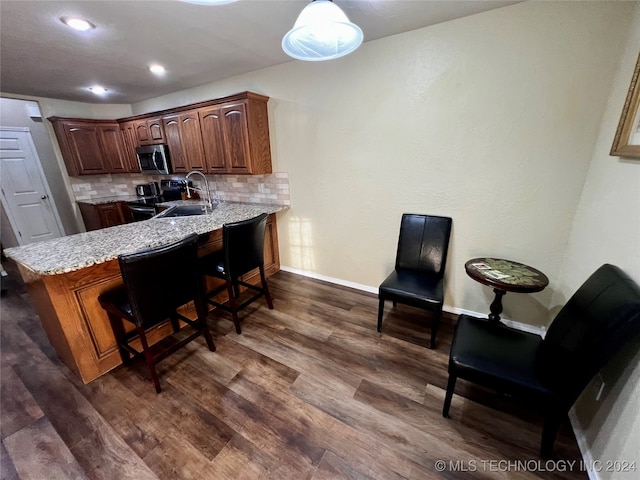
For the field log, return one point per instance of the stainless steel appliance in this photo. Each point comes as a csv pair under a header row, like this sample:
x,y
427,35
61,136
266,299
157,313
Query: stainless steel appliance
x,y
173,189
143,190
144,207
154,188
151,189
141,211
154,159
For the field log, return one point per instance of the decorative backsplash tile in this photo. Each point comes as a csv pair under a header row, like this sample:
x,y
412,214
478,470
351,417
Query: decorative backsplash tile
x,y
271,189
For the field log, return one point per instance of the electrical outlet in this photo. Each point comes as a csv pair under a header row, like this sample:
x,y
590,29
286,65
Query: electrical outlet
x,y
598,386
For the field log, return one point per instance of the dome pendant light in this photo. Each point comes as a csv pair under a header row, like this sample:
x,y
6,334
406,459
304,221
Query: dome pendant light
x,y
322,32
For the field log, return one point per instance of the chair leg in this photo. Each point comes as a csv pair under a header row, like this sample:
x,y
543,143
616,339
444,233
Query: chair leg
x,y
236,290
201,311
149,358
265,287
207,336
435,323
552,423
380,312
233,307
451,385
175,324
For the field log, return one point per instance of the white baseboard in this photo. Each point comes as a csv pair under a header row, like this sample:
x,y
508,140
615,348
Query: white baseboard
x,y
447,308
324,278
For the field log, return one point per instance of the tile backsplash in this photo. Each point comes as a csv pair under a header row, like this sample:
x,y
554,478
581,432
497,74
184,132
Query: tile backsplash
x,y
272,188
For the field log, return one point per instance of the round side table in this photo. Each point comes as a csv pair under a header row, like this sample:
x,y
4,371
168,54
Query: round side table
x,y
505,276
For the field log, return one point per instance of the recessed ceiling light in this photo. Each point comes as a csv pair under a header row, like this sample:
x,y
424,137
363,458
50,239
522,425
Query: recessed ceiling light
x,y
98,90
157,69
78,23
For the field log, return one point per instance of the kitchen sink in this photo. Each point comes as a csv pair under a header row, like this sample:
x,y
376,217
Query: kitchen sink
x,y
183,211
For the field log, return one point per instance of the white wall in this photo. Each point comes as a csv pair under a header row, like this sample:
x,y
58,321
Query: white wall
x,y
606,229
490,119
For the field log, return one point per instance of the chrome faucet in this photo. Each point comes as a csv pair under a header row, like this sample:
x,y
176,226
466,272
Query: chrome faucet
x,y
206,184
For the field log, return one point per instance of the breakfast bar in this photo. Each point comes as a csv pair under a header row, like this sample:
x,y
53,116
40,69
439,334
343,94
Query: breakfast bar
x,y
66,275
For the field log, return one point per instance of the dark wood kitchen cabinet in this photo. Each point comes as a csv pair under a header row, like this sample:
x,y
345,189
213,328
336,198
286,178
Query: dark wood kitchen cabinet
x,y
223,138
211,129
113,148
237,148
149,131
90,147
128,133
235,136
228,135
185,142
104,215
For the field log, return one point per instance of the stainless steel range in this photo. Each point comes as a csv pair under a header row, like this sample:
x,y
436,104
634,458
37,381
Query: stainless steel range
x,y
144,207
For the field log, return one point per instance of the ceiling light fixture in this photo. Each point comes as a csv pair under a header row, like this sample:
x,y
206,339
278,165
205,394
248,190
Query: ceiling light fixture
x,y
98,90
321,32
78,23
157,69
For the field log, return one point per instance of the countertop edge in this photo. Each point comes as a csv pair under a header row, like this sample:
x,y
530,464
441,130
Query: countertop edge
x,y
87,249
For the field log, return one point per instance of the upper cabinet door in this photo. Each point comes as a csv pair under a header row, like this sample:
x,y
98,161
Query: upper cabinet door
x,y
128,133
113,148
171,124
83,148
192,141
142,132
212,139
183,136
236,139
149,131
156,132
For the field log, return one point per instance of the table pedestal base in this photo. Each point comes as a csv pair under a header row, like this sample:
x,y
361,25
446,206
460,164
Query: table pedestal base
x,y
496,306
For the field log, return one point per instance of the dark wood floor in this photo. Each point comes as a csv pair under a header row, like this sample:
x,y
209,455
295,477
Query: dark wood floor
x,y
309,390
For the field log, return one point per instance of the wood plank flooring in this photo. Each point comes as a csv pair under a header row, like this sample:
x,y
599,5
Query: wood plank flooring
x,y
309,390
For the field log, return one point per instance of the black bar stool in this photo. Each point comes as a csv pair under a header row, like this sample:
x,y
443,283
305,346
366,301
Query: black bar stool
x,y
156,282
242,251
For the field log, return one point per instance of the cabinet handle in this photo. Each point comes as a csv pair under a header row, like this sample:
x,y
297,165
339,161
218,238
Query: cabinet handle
x,y
44,197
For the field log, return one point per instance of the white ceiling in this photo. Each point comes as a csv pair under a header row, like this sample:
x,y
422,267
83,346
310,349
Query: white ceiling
x,y
197,44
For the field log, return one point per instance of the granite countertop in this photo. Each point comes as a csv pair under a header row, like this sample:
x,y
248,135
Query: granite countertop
x,y
136,198
74,252
120,198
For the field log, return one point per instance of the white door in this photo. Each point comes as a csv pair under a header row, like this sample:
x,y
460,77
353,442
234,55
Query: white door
x,y
25,194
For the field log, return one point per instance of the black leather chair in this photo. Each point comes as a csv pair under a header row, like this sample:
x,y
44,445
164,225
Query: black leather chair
x,y
418,278
242,251
156,282
596,322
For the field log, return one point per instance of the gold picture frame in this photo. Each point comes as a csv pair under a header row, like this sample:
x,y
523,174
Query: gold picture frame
x,y
626,143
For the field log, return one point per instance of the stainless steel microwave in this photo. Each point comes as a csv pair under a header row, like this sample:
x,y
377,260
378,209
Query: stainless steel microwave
x,y
154,159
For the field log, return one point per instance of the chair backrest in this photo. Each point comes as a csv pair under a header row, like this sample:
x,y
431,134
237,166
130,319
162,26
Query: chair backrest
x,y
596,322
423,243
243,244
161,279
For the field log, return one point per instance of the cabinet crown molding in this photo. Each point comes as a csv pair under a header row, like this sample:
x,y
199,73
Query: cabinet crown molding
x,y
207,103
169,111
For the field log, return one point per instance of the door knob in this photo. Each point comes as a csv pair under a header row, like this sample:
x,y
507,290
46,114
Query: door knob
x,y
44,197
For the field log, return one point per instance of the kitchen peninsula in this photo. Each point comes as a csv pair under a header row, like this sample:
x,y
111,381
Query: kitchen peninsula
x,y
66,275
